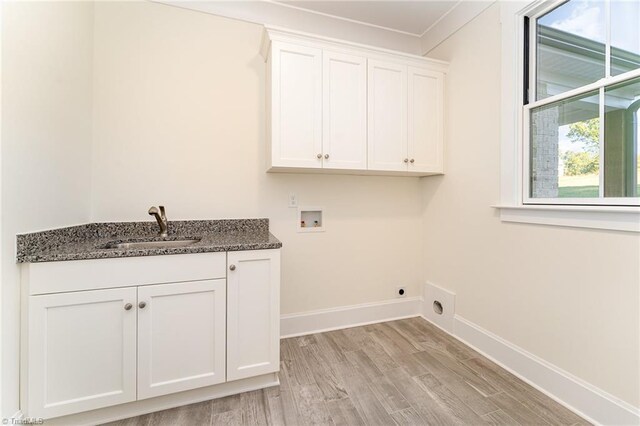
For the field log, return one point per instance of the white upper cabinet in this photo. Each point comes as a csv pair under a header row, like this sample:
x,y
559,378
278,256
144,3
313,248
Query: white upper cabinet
x,y
344,124
425,120
387,116
341,107
296,106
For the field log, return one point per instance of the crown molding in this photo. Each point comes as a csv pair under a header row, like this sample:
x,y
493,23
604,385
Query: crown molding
x,y
298,19
458,16
273,13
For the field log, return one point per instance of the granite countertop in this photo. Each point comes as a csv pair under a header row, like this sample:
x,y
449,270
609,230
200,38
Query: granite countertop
x,y
90,241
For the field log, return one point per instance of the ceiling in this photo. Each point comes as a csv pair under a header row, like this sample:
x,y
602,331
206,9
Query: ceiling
x,y
414,17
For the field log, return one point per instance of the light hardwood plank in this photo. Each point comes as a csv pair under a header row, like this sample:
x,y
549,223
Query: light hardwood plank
x,y
227,418
362,397
295,364
408,416
471,396
325,376
253,408
344,413
361,360
459,412
311,405
499,418
527,395
521,414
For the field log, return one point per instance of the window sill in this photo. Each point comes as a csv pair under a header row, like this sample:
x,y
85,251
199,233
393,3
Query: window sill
x,y
594,217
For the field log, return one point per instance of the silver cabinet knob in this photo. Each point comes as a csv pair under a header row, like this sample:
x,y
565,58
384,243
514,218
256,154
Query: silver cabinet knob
x,y
412,161
128,307
406,160
232,267
141,305
319,156
326,156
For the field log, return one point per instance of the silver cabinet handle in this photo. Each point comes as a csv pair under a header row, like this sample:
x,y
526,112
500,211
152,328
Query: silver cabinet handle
x,y
412,161
319,156
406,160
326,156
128,307
232,267
141,305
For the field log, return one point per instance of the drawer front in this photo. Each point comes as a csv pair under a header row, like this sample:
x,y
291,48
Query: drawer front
x,y
57,277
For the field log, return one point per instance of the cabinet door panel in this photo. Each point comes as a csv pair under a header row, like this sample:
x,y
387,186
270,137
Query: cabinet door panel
x,y
296,106
425,120
82,351
181,337
253,313
344,134
387,116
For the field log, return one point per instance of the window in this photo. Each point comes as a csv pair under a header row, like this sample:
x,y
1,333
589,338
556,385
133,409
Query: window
x,y
581,102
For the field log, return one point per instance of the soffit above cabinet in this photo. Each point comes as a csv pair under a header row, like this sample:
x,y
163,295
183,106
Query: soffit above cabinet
x,y
273,33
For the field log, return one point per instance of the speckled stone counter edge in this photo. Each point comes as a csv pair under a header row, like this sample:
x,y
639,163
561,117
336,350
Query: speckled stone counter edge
x,y
41,246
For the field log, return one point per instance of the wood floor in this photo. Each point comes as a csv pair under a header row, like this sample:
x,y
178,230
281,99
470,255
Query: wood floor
x,y
404,372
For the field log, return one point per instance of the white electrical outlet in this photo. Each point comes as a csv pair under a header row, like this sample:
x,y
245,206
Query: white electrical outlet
x,y
293,199
439,306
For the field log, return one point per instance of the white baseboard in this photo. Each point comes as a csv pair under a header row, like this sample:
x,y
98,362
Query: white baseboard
x,y
584,399
349,316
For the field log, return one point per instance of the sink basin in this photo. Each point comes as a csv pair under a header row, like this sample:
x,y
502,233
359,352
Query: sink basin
x,y
151,244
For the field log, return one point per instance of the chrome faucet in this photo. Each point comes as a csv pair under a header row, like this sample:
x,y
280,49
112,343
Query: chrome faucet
x,y
161,218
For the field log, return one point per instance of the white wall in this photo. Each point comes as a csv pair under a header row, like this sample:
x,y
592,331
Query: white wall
x,y
46,134
179,109
569,296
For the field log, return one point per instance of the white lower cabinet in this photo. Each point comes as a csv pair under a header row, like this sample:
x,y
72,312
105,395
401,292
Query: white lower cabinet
x,y
253,319
81,351
181,336
90,349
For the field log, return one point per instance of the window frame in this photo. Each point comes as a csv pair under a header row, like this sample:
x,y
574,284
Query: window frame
x,y
512,204
531,102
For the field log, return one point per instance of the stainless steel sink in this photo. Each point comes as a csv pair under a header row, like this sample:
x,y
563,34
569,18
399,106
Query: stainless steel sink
x,y
151,244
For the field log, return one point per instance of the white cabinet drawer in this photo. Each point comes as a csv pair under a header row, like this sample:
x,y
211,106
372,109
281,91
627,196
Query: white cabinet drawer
x,y
57,277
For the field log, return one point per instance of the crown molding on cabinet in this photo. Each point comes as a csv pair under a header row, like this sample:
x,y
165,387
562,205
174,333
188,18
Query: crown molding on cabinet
x,y
292,36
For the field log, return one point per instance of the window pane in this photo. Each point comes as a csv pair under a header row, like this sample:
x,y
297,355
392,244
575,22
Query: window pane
x,y
570,47
564,149
625,36
622,126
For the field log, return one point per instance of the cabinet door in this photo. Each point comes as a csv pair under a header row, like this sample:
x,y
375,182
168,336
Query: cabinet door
x,y
296,112
387,116
253,313
425,120
344,118
81,351
181,336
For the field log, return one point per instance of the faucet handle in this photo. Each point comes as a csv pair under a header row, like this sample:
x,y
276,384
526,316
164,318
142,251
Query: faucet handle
x,y
162,213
